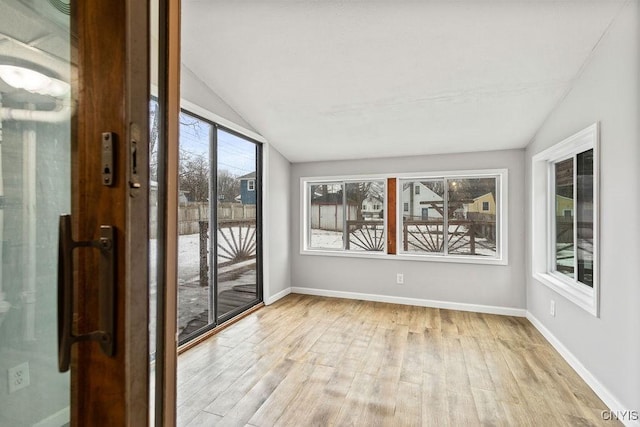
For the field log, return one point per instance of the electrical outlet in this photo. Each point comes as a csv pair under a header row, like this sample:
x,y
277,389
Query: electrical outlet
x,y
552,308
18,377
400,279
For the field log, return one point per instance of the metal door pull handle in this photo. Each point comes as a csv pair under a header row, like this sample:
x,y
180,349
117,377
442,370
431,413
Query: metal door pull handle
x,y
66,337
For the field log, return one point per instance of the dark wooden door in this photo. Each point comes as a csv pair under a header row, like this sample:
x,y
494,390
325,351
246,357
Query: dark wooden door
x,y
72,72
111,41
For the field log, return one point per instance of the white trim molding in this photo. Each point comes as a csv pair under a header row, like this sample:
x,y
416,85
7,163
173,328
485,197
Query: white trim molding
x,y
476,308
543,220
501,177
273,298
603,392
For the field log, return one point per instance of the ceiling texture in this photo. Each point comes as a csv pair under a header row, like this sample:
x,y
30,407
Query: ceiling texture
x,y
330,79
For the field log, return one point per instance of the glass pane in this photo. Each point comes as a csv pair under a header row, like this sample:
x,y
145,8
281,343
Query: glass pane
x,y
565,251
326,216
237,229
472,213
365,216
422,216
154,133
35,178
584,212
193,221
153,248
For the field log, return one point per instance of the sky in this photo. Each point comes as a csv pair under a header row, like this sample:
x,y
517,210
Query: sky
x,y
235,154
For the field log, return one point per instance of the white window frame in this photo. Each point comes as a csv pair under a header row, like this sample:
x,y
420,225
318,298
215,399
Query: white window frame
x,y
543,219
501,176
502,219
251,185
305,219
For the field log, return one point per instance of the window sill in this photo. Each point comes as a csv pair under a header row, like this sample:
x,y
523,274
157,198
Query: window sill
x,y
459,259
583,298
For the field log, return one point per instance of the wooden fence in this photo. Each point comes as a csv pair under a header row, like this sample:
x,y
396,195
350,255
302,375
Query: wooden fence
x,y
329,216
190,214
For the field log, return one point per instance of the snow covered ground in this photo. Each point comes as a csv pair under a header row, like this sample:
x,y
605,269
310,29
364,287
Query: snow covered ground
x,y
333,240
193,299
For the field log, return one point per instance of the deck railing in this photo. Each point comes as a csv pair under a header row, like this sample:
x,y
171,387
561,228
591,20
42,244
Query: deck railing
x,y
464,236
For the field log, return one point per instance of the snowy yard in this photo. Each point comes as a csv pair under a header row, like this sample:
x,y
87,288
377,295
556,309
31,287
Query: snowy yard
x,y
420,240
193,299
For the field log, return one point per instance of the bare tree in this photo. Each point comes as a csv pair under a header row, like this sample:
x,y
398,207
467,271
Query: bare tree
x,y
358,192
228,186
194,177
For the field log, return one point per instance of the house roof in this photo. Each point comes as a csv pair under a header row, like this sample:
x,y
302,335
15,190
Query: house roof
x,y
248,176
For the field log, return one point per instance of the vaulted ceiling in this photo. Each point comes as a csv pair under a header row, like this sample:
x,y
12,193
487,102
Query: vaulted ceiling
x,y
344,79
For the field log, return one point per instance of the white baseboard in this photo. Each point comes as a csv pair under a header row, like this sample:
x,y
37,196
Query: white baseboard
x,y
276,297
62,417
490,309
603,393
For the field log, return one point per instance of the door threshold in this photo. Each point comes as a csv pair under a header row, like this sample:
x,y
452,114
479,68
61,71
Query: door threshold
x,y
194,342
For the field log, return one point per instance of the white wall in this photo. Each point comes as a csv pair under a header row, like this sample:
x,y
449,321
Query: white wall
x,y
277,241
200,99
607,91
488,285
197,92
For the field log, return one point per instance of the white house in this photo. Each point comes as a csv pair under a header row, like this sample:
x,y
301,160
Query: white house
x,y
420,202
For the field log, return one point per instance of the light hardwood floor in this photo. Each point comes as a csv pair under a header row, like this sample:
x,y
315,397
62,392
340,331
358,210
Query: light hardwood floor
x,y
314,361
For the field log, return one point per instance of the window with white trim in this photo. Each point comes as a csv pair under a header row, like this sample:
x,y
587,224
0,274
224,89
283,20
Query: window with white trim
x,y
446,216
251,185
565,232
345,215
455,216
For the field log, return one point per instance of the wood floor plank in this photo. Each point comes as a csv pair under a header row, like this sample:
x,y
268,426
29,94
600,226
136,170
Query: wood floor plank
x,y
504,383
239,387
355,400
455,368
435,406
381,401
479,375
413,363
298,411
327,406
408,405
433,352
431,318
318,361
281,398
247,406
204,419
490,411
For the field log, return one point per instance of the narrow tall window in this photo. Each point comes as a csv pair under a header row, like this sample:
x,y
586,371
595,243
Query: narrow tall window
x,y
565,238
573,213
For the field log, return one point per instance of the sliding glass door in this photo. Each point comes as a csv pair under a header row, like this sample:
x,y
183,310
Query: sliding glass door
x,y
238,230
218,225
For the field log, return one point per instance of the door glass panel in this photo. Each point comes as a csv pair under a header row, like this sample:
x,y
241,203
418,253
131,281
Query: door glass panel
x,y
35,132
194,170
238,197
